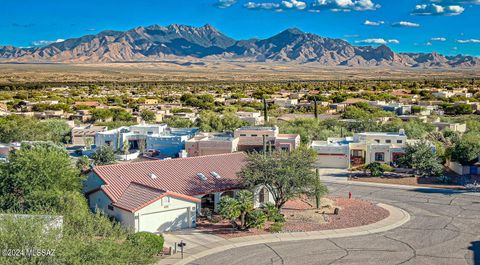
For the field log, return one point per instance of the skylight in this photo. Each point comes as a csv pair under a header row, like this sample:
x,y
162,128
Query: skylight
x,y
215,175
202,176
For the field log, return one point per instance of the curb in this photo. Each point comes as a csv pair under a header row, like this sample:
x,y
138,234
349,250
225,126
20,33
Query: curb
x,y
396,218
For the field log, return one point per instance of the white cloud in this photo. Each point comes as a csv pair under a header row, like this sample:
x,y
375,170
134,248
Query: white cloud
x,y
405,24
41,43
345,5
437,10
428,44
469,41
225,3
378,41
457,2
294,4
373,23
438,39
266,6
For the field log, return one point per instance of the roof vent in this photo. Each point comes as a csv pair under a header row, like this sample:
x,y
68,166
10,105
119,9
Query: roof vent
x,y
216,175
152,176
201,176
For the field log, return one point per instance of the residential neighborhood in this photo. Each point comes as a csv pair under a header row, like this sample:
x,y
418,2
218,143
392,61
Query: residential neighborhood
x,y
214,167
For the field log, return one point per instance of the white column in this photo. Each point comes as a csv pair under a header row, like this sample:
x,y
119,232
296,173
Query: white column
x,y
217,196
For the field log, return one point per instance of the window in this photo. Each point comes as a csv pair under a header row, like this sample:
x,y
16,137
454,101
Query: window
x,y
110,207
149,133
357,153
263,195
243,134
399,141
254,135
165,201
377,141
388,141
379,156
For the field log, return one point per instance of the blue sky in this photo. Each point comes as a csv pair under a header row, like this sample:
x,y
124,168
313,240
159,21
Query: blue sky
x,y
445,26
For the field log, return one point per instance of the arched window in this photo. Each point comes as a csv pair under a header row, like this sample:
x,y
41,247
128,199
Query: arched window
x,y
263,195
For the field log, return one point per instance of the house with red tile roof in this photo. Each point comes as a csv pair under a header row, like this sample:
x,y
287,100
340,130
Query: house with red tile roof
x,y
165,195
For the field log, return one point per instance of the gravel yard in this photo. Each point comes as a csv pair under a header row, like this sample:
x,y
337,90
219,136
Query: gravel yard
x,y
302,216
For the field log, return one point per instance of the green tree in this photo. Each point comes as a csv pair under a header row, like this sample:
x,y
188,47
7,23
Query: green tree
x,y
18,128
176,122
467,150
104,155
285,175
245,204
238,208
126,148
36,176
229,209
422,157
83,163
148,116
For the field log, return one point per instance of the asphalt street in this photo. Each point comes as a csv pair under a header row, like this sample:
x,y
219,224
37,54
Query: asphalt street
x,y
444,229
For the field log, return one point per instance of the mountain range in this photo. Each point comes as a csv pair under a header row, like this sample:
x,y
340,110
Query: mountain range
x,y
156,42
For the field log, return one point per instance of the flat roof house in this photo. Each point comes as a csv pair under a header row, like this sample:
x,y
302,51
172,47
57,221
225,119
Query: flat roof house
x,y
164,195
167,141
80,134
251,138
253,118
362,148
211,143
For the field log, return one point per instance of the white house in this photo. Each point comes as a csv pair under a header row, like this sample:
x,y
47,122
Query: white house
x,y
165,195
362,148
166,141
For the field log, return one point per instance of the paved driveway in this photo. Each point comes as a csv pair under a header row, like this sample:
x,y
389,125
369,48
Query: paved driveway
x,y
444,229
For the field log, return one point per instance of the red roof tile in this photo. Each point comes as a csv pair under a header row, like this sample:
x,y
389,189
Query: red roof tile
x,y
136,196
171,176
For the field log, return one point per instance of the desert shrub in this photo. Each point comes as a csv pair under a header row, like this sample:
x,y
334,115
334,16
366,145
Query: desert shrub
x,y
256,219
150,242
387,168
207,212
276,227
273,213
215,219
375,169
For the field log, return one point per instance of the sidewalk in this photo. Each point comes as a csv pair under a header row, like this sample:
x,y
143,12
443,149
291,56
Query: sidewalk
x,y
200,245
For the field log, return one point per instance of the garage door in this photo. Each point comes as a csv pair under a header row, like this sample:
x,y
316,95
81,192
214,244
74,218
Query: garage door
x,y
165,220
332,161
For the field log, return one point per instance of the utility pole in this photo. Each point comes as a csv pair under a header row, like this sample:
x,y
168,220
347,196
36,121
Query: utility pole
x,y
265,111
264,145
